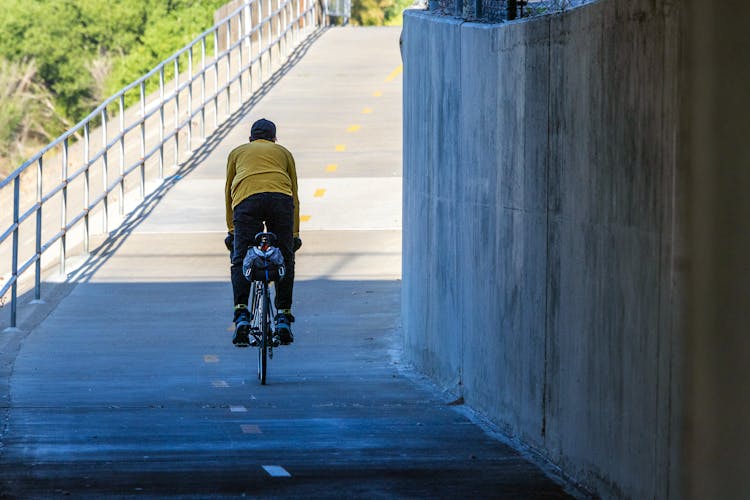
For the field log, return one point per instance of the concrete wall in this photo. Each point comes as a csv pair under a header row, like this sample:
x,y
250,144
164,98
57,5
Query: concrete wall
x,y
715,221
539,258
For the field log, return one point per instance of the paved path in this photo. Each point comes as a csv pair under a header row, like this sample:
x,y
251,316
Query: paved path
x,y
131,387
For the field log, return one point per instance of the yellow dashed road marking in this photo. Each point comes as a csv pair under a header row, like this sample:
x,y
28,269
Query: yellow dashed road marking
x,y
340,147
353,128
367,111
250,429
319,193
305,218
394,73
210,358
331,167
377,93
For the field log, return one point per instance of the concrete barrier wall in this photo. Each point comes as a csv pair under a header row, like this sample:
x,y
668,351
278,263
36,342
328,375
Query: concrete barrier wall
x,y
539,165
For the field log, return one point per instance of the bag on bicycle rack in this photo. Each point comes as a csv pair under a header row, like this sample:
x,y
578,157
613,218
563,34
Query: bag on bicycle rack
x,y
263,265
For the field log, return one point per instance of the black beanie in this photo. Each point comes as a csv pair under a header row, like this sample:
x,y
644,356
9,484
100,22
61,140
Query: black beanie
x,y
263,129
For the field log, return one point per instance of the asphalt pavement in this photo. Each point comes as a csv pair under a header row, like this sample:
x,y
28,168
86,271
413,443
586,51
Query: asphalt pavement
x,y
128,386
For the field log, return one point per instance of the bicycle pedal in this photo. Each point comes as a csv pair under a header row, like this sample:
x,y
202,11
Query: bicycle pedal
x,y
275,341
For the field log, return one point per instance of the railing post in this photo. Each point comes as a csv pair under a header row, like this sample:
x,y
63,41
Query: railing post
x,y
250,50
143,139
512,9
284,23
122,155
260,42
86,186
229,67
64,208
305,17
248,41
295,22
284,15
176,111
190,99
161,122
241,45
203,88
270,38
216,78
14,261
38,238
280,17
105,173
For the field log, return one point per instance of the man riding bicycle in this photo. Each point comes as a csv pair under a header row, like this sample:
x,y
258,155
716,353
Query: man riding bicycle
x,y
261,186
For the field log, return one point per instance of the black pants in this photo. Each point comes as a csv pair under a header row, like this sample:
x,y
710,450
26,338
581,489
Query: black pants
x,y
277,211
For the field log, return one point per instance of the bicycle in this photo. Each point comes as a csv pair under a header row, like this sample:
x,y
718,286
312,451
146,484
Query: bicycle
x,y
261,309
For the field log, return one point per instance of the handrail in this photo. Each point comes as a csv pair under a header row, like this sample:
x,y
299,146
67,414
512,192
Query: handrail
x,y
249,44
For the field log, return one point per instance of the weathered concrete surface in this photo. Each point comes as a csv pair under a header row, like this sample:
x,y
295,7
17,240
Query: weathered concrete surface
x,y
431,292
539,164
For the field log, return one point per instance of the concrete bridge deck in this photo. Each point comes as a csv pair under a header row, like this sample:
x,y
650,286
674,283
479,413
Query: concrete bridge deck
x,y
130,387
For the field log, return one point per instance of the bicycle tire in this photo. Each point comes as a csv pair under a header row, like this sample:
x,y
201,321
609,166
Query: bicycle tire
x,y
256,294
265,338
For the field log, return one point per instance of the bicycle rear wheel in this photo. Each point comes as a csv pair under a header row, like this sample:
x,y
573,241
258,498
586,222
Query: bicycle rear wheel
x,y
265,338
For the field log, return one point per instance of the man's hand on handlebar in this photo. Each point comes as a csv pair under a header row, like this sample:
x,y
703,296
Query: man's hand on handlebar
x,y
229,242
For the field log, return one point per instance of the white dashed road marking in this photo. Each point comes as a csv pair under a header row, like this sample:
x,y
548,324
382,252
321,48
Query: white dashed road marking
x,y
276,471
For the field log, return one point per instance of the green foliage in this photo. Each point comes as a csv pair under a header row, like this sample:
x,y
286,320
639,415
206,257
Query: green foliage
x,y
378,12
174,24
82,51
62,36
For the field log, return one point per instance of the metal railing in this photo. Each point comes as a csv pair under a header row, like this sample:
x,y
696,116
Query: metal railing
x,y
339,8
501,10
198,90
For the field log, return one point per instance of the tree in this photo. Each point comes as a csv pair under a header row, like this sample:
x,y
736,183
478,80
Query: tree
x,y
377,12
27,114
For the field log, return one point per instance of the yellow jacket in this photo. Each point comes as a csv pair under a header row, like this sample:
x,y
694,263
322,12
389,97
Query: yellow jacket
x,y
260,167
